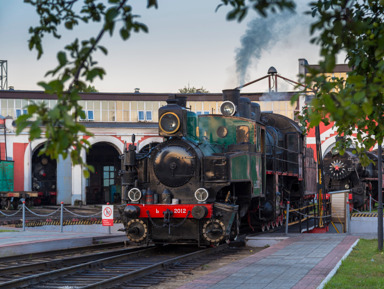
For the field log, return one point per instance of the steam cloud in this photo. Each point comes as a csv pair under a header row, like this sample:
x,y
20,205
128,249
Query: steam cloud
x,y
259,36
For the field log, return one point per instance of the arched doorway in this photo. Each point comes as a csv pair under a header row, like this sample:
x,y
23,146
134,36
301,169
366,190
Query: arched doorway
x,y
103,185
44,180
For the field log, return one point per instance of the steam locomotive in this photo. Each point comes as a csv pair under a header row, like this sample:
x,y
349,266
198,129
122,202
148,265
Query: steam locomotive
x,y
345,172
215,173
44,179
43,184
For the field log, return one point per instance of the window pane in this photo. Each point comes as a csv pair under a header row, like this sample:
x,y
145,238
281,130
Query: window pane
x,y
149,115
106,175
106,183
90,114
141,115
112,175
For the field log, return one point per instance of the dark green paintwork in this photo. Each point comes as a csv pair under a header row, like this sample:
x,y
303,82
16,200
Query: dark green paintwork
x,y
244,166
240,167
6,176
191,125
209,124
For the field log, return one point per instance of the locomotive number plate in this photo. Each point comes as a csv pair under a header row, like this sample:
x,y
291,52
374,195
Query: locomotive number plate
x,y
178,211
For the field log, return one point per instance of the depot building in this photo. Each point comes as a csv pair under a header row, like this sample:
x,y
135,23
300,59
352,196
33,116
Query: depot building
x,y
113,118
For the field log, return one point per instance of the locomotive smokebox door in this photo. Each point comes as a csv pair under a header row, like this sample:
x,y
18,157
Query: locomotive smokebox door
x,y
172,119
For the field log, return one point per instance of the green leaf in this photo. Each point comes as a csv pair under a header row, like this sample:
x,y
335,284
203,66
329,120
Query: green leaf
x,y
103,49
152,3
124,33
62,57
367,108
111,14
69,25
32,108
35,131
359,96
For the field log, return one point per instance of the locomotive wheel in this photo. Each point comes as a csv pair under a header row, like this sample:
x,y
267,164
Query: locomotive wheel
x,y
213,231
263,228
137,230
272,225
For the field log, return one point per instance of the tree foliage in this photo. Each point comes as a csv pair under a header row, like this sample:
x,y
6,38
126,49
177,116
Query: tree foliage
x,y
188,89
77,67
356,103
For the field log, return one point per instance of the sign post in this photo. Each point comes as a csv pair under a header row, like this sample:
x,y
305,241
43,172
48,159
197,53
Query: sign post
x,y
107,216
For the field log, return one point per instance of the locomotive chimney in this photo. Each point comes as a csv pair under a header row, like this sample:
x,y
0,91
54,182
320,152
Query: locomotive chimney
x,y
232,95
181,100
177,99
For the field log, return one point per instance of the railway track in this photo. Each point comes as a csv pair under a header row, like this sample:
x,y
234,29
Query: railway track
x,y
104,269
17,260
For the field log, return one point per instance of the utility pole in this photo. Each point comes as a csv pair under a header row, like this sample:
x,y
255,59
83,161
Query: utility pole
x,y
320,185
3,74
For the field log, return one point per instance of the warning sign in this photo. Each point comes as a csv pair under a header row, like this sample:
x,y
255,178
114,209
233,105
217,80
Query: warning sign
x,y
107,213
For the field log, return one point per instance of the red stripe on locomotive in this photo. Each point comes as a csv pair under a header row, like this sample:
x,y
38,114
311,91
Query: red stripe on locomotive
x,y
179,211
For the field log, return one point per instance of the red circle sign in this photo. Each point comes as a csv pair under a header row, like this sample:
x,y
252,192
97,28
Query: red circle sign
x,y
107,212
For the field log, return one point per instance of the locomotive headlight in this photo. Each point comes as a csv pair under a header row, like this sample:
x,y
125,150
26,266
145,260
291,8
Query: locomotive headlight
x,y
169,122
201,195
228,108
347,186
134,195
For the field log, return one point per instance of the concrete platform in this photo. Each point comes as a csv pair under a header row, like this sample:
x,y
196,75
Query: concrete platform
x,y
263,241
18,242
298,262
295,261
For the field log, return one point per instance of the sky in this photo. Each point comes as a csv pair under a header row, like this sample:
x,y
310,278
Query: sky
x,y
189,43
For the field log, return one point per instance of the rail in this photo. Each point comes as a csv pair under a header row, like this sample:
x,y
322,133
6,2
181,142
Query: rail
x,y
60,211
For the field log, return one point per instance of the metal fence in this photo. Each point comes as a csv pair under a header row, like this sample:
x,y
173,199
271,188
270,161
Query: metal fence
x,y
303,215
59,210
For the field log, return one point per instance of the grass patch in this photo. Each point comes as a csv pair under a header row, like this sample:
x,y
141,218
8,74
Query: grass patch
x,y
1,231
363,268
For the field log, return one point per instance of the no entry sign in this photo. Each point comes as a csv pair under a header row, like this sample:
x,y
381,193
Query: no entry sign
x,y
107,213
